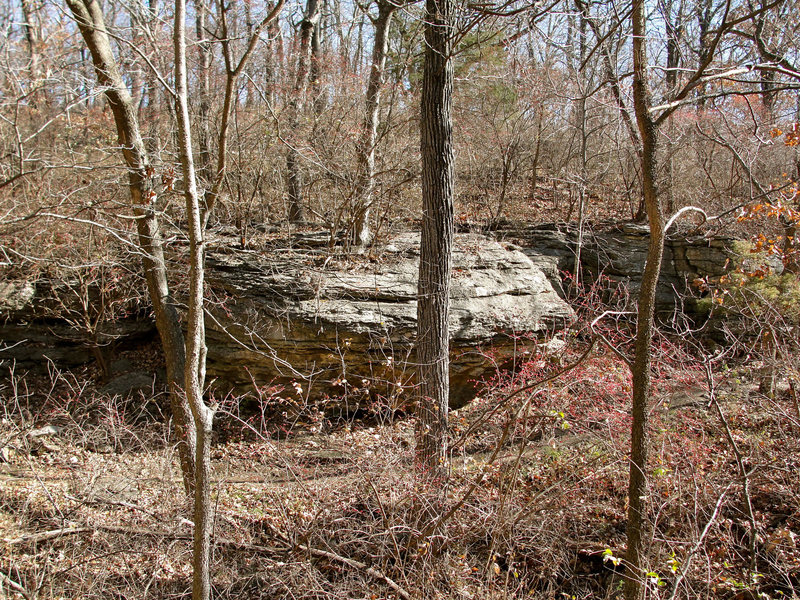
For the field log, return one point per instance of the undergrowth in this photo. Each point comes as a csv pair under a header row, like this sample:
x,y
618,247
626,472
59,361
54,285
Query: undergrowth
x,y
95,509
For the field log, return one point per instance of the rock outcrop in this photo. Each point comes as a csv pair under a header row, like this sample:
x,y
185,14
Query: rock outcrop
x,y
619,252
304,324
311,324
41,324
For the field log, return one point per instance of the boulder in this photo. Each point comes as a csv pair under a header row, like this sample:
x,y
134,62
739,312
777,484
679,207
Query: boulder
x,y
315,326
128,384
304,324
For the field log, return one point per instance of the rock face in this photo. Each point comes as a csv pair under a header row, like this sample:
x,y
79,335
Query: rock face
x,y
308,324
35,333
302,324
619,253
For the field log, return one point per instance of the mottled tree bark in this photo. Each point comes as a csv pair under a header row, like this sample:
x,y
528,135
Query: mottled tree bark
x,y
205,169
674,26
195,367
704,12
318,101
272,62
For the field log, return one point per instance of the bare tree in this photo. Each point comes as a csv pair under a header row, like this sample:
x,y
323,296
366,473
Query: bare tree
x,y
195,368
204,56
311,18
642,372
88,15
33,36
197,216
649,119
233,71
365,175
433,308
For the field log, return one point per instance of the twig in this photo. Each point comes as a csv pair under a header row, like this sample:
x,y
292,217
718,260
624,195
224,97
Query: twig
x,y
385,518
15,586
687,561
372,571
478,480
531,386
124,504
681,212
46,535
740,462
606,341
375,573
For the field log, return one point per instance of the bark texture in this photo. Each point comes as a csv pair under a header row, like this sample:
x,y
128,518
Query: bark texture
x,y
88,15
436,141
365,182
33,36
195,367
204,56
296,107
637,485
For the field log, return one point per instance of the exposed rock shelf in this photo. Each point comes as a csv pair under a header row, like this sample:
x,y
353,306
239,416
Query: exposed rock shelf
x,y
619,253
303,319
350,328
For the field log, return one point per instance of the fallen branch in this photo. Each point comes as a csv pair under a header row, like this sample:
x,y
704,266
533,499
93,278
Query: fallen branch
x,y
683,211
375,573
124,504
14,586
371,571
46,535
688,560
350,562
608,342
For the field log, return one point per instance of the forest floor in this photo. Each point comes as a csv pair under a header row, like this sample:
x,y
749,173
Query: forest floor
x,y
92,504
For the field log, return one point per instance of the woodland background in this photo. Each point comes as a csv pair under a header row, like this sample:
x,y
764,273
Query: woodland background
x,y
307,117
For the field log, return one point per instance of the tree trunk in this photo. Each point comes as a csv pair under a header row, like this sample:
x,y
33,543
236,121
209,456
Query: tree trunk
x,y
791,245
583,84
33,37
296,107
204,93
436,247
150,112
534,177
365,182
637,485
233,70
248,23
271,63
797,148
674,28
92,26
315,69
195,368
704,14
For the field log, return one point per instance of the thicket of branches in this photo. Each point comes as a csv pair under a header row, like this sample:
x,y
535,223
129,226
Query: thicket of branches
x,y
543,114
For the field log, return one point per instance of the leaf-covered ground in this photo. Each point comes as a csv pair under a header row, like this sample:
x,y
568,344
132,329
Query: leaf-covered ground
x,y
95,507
